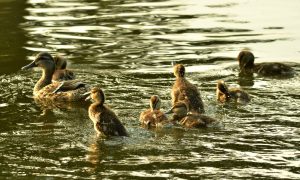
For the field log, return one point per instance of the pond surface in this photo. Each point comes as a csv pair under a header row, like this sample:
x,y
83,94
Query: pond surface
x,y
127,48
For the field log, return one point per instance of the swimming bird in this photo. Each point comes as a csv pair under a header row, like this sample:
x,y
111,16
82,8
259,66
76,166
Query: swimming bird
x,y
179,110
106,122
61,72
153,117
183,90
225,94
196,120
46,89
247,66
182,114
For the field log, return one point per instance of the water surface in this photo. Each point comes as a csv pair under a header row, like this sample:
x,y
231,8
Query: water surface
x,y
127,48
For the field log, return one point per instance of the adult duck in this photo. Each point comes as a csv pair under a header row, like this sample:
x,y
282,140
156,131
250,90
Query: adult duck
x,y
106,122
225,94
61,72
153,117
184,90
247,66
46,89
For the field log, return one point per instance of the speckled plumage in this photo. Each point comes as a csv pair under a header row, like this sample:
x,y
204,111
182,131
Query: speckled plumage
x,y
247,66
61,72
225,94
183,90
105,121
46,89
153,117
196,120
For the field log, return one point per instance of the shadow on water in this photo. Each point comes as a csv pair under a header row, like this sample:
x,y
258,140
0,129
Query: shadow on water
x,y
12,37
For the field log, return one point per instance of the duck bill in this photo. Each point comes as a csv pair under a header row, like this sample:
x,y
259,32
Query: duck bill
x,y
29,66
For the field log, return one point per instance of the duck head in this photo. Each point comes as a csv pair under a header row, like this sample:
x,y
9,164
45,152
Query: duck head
x,y
43,60
179,70
246,62
60,62
155,103
97,95
222,90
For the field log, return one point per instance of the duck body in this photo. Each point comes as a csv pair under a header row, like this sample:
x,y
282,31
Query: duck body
x,y
61,72
46,89
62,91
188,119
273,69
179,110
153,117
63,75
183,90
225,94
106,122
196,120
247,66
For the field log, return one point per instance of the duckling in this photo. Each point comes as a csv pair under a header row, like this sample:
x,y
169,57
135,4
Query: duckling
x,y
45,89
184,90
105,121
188,119
61,72
196,120
179,110
247,66
153,117
225,94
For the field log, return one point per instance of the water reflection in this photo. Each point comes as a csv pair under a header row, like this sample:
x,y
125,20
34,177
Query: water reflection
x,y
12,36
127,47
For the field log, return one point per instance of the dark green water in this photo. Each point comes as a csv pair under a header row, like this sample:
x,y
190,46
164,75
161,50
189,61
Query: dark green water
x,y
127,48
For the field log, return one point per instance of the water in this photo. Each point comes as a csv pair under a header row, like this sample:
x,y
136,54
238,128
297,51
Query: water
x,y
127,48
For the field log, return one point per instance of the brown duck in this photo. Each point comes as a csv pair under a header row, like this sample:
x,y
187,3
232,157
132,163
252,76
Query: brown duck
x,y
183,90
247,66
61,72
187,119
46,89
153,117
105,121
225,94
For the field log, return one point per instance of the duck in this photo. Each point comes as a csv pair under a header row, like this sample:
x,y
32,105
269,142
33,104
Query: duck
x,y
196,120
106,122
188,119
153,117
183,90
247,66
179,110
46,89
61,72
225,94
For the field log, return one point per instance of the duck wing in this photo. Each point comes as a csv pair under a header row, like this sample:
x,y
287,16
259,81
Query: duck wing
x,y
69,85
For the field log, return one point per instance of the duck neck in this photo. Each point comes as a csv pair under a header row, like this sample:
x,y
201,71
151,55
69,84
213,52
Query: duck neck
x,y
98,103
45,80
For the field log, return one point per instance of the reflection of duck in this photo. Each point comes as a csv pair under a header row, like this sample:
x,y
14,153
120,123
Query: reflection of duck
x,y
45,89
184,90
105,120
61,72
225,94
247,66
153,117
